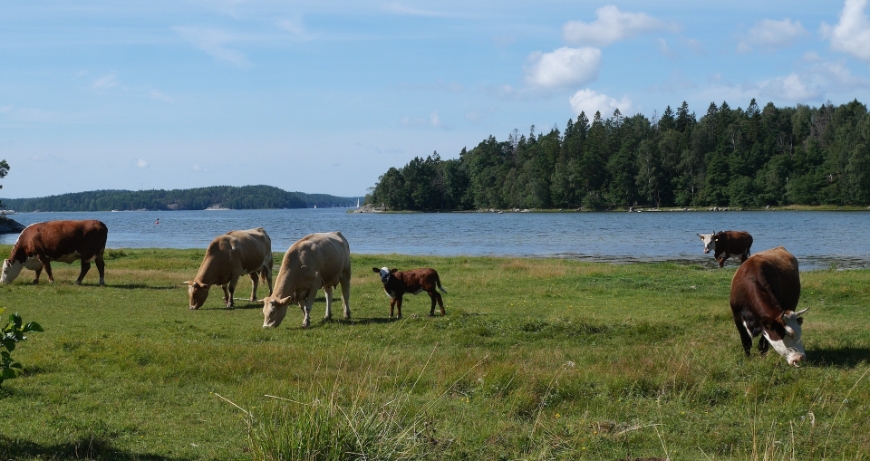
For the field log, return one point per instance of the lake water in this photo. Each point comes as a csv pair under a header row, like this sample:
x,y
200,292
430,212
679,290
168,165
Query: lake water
x,y
819,239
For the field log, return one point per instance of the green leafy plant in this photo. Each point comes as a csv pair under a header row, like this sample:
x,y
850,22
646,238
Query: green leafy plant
x,y
12,333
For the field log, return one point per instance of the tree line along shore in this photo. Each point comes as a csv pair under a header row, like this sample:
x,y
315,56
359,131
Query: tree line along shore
x,y
735,158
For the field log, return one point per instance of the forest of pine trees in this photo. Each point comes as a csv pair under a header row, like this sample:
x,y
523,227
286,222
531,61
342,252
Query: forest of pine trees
x,y
728,157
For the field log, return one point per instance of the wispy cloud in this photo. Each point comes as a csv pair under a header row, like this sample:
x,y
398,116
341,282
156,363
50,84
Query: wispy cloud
x,y
770,35
434,121
141,163
159,96
215,43
563,67
295,27
402,9
612,25
105,82
852,34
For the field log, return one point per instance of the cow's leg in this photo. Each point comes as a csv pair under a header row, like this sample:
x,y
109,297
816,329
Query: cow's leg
x,y
254,279
228,294
101,268
763,343
327,291
344,281
86,266
744,255
745,337
399,305
440,303
432,298
36,280
392,305
306,309
266,273
46,264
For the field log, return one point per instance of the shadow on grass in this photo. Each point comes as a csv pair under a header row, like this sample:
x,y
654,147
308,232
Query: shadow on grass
x,y
83,448
848,357
141,286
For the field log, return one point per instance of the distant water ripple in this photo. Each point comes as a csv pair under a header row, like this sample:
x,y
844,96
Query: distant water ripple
x,y
819,239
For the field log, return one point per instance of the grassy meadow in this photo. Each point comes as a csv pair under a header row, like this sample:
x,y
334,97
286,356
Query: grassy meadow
x,y
535,359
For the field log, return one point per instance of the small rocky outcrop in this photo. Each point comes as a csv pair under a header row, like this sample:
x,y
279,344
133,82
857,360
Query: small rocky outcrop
x,y
10,226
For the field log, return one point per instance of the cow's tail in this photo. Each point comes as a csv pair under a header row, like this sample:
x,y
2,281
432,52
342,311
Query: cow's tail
x,y
438,284
267,268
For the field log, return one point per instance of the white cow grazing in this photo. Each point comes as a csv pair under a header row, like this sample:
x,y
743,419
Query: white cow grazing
x,y
316,261
227,258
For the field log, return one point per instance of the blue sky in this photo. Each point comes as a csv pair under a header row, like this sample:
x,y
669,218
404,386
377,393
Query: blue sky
x,y
325,96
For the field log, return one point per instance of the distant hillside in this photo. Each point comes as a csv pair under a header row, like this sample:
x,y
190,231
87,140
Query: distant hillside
x,y
237,198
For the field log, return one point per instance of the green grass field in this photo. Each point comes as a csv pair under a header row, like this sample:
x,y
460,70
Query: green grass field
x,y
536,359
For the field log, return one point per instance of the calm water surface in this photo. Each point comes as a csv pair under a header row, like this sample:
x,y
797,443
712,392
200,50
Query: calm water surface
x,y
819,239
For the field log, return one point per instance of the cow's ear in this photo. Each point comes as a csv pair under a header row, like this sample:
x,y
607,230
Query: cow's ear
x,y
188,283
393,271
800,320
376,270
284,301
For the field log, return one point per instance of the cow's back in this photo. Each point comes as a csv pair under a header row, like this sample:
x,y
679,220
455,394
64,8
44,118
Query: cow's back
x,y
734,241
253,247
323,255
775,268
55,239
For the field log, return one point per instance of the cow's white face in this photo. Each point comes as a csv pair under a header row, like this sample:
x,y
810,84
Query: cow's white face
x,y
385,275
789,346
11,269
709,242
274,311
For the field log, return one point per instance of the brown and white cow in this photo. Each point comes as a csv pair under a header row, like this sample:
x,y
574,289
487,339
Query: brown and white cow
x,y
64,241
227,258
764,294
726,244
397,283
315,261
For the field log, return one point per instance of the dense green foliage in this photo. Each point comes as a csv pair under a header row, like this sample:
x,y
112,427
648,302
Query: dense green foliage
x,y
10,335
536,359
729,157
237,198
4,170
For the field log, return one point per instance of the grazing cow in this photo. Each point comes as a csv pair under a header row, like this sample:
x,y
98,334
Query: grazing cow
x,y
764,295
726,244
397,283
227,258
315,261
64,241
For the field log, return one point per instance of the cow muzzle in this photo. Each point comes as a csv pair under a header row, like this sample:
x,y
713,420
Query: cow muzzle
x,y
795,358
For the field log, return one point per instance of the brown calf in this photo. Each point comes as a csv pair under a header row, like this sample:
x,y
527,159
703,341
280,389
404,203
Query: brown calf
x,y
64,241
397,283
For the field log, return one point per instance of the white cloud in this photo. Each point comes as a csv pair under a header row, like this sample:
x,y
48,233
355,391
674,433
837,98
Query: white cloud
x,y
771,35
159,96
563,67
295,27
852,34
199,168
794,87
589,101
610,26
434,120
141,163
214,42
105,82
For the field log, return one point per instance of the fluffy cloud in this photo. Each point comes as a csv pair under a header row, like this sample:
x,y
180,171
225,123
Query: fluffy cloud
x,y
610,26
141,163
794,87
214,42
589,101
563,67
852,34
771,35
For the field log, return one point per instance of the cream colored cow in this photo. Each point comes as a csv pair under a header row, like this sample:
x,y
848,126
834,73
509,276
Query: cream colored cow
x,y
315,261
227,258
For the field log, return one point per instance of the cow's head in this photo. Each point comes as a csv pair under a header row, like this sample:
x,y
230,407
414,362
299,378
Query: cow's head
x,y
274,310
197,293
785,336
384,273
709,242
12,268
